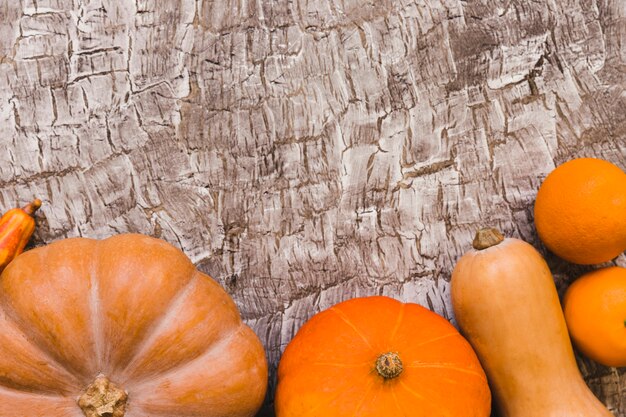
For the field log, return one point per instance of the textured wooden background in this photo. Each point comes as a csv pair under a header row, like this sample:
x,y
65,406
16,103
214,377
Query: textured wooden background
x,y
306,151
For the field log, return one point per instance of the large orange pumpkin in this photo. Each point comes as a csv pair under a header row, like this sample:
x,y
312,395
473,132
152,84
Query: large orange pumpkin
x,y
124,326
377,357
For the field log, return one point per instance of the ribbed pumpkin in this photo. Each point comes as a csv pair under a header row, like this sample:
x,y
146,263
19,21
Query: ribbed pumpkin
x,y
124,326
377,357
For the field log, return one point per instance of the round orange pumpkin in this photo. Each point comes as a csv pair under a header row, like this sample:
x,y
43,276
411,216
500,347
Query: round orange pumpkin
x,y
124,326
375,357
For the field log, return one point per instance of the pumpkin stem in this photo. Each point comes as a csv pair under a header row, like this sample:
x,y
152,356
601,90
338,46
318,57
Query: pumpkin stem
x,y
103,399
32,207
389,365
486,238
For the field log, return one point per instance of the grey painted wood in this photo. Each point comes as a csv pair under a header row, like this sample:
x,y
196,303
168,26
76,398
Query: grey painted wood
x,y
306,151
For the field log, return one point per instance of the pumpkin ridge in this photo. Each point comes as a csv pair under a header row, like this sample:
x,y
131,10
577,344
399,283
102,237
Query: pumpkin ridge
x,y
342,365
423,399
223,341
153,331
131,371
154,325
395,399
130,267
410,391
398,323
366,391
184,390
435,339
444,365
333,398
345,319
34,340
25,390
96,311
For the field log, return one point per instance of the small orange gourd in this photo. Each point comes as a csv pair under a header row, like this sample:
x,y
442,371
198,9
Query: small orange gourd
x,y
124,326
375,356
506,304
16,227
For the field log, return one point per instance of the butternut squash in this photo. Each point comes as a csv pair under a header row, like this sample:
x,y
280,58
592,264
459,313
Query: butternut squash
x,y
507,306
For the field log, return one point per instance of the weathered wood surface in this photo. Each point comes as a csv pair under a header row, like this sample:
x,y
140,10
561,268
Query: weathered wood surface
x,y
307,151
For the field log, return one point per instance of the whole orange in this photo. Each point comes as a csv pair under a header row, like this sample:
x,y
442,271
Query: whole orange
x,y
580,211
595,313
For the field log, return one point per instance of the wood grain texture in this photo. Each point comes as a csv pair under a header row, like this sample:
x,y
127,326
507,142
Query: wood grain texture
x,y
306,151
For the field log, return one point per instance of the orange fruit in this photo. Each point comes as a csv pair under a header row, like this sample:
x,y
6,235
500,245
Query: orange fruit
x,y
595,313
580,211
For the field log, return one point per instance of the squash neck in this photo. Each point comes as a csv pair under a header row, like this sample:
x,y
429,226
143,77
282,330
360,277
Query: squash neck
x,y
486,238
103,398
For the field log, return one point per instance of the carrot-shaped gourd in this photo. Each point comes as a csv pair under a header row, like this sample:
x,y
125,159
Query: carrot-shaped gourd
x,y
16,227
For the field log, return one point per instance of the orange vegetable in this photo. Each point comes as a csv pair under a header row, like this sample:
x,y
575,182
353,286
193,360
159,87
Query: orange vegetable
x,y
595,312
580,211
16,227
122,326
506,304
375,356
